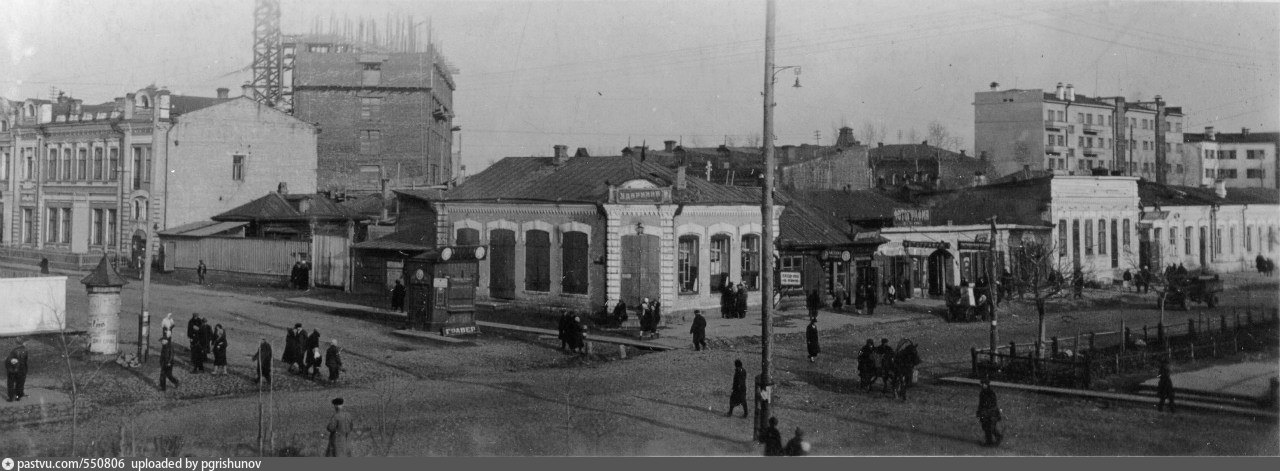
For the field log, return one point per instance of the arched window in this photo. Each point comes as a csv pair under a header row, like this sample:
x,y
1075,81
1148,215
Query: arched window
x,y
688,264
719,261
751,261
82,164
51,169
144,101
1102,237
467,236
67,165
537,261
97,163
574,262
1088,237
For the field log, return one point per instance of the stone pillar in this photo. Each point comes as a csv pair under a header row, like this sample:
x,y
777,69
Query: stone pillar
x,y
103,286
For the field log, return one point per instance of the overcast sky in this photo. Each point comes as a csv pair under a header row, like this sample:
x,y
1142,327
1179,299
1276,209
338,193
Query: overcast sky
x,y
596,74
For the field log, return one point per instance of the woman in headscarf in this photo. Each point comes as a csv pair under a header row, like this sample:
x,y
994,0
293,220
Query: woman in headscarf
x,y
219,350
313,356
166,327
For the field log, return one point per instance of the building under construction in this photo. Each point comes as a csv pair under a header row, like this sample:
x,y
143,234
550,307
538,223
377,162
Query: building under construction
x,y
383,102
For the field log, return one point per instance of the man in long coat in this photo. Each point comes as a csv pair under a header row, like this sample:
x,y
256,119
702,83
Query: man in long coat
x,y
1164,389
738,395
811,340
166,364
740,303
313,356
989,415
772,439
340,427
262,360
196,333
333,359
812,302
15,367
564,329
292,347
699,330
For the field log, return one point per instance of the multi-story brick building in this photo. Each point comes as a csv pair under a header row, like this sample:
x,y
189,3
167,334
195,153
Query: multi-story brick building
x,y
383,113
938,168
81,180
1239,160
1073,134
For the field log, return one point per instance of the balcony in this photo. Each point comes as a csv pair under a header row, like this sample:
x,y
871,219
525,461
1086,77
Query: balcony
x,y
1054,125
1055,149
1095,152
1093,128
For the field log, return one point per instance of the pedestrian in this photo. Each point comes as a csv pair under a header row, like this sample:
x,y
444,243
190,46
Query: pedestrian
x,y
262,361
166,364
397,297
1164,390
201,270
727,297
646,311
292,347
166,326
893,294
811,340
740,301
812,302
1128,279
989,415
871,300
839,296
738,394
1145,276
772,439
866,364
206,340
1077,285
219,350
333,360
797,446
564,329
656,319
193,326
15,368
305,275
313,357
44,266
340,427
575,335
620,312
699,330
198,344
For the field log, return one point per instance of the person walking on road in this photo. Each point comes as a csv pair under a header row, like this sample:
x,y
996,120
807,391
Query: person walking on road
x,y
738,394
166,326
219,350
871,300
333,360
989,415
772,439
811,340
740,301
397,297
340,427
196,333
292,347
262,361
813,302
15,368
201,270
699,330
797,446
1164,389
313,355
564,329
166,364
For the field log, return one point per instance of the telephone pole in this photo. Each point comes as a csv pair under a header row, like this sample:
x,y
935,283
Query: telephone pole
x,y
766,227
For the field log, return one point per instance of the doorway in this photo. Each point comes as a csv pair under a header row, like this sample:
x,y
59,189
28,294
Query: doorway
x,y
640,273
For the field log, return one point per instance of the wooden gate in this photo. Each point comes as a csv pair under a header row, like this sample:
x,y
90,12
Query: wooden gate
x,y
502,264
640,274
329,264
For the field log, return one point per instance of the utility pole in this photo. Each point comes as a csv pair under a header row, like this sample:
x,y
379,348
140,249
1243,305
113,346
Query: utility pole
x,y
766,228
991,285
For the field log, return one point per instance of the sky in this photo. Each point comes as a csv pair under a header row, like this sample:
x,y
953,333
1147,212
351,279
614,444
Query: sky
x,y
601,74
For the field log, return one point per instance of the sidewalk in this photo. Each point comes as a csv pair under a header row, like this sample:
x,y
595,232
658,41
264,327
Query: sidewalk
x,y
675,329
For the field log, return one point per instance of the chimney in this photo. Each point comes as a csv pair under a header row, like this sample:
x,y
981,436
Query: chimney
x,y
1209,135
1026,171
879,144
995,86
1071,92
282,188
1220,188
561,153
223,92
925,143
681,182
982,155
1162,158
669,146
962,153
1244,131
130,102
845,138
462,175
582,152
1058,92
246,90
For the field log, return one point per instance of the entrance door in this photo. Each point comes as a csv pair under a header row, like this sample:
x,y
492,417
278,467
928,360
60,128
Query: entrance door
x,y
640,278
502,264
1204,234
939,272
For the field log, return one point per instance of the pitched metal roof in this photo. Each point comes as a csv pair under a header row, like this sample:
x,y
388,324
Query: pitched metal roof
x,y
1234,138
104,275
854,205
202,228
803,223
407,240
277,207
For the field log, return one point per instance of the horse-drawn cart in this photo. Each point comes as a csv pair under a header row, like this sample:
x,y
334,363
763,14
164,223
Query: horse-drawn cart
x,y
1184,290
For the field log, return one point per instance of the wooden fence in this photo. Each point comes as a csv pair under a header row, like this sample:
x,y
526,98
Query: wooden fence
x,y
252,256
1079,360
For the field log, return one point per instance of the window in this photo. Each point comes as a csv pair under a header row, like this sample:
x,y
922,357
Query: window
x,y
1102,237
1088,142
751,261
141,161
111,227
1075,237
372,74
720,258
1173,237
1062,116
51,222
1088,237
1051,140
688,264
1255,173
1049,115
1062,140
1217,240
1179,127
1179,167
4,166
1254,154
321,48
1231,239
1248,238
1080,143
1062,237
82,164
467,236
68,166
1186,241
28,164
1208,173
97,226
370,141
1231,154
1225,173
28,225
574,263
113,164
97,163
237,168
537,260
51,168
1088,118
1125,235
370,108
1208,154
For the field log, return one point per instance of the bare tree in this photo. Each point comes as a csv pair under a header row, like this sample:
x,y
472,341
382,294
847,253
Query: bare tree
x,y
870,133
939,136
1041,272
70,344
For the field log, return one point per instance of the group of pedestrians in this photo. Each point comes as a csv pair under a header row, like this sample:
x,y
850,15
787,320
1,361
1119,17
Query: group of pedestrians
x,y
771,437
573,333
302,352
203,341
650,317
733,300
1140,281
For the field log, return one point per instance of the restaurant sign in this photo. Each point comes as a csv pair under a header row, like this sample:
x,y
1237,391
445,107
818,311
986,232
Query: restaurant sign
x,y
910,217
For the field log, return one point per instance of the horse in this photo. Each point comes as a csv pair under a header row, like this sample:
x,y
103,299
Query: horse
x,y
898,368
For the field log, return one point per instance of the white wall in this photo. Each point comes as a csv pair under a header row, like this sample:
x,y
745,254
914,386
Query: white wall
x,y
33,305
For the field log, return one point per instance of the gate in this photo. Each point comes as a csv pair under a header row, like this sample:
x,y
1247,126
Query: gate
x,y
640,278
502,264
329,264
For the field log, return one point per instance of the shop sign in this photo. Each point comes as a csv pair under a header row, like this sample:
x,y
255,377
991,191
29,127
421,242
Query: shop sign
x,y
789,278
925,245
966,245
447,331
910,217
642,195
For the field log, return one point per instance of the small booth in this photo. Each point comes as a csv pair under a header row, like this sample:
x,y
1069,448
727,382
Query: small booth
x,y
440,293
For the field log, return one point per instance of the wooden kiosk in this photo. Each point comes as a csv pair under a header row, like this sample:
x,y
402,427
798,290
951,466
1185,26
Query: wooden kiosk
x,y
440,293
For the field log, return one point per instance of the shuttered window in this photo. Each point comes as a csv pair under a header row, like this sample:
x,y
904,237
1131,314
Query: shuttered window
x,y
537,261
574,263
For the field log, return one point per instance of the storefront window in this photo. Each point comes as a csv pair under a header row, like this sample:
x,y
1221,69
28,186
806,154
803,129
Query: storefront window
x,y
719,260
751,261
688,264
